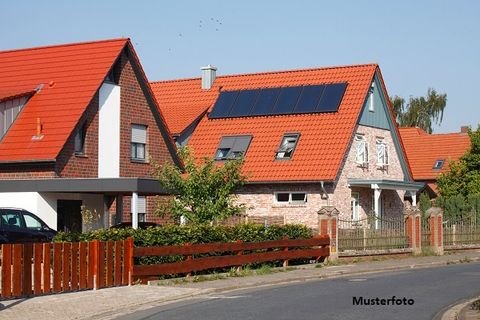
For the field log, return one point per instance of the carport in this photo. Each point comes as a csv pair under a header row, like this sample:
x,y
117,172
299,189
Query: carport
x,y
108,187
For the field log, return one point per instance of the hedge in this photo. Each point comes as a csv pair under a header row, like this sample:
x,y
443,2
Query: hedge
x,y
176,234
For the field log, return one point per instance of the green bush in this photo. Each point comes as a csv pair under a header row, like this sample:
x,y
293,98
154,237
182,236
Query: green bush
x,y
175,234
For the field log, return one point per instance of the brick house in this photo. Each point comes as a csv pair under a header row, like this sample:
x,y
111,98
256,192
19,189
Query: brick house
x,y
311,139
80,127
430,154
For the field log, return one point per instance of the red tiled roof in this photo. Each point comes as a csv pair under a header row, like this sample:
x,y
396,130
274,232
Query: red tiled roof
x,y
15,93
70,74
183,101
324,137
424,149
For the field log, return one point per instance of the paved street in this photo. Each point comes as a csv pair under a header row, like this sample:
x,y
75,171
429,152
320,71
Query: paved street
x,y
113,303
426,291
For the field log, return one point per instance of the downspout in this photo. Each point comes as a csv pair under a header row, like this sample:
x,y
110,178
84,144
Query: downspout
x,y
324,194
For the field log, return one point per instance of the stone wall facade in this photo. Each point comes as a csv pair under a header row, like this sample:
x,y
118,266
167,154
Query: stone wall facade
x,y
260,198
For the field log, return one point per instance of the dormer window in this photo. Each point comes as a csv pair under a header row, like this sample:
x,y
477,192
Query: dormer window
x,y
234,147
362,150
438,164
9,110
382,152
287,146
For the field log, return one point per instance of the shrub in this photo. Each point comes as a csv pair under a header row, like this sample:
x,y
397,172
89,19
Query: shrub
x,y
202,233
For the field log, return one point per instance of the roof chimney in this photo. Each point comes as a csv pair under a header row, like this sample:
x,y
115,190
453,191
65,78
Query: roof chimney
x,y
464,129
208,76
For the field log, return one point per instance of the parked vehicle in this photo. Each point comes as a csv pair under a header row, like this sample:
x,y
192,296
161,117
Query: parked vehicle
x,y
141,225
20,226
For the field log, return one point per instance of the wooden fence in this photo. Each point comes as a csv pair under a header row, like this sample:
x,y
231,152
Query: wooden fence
x,y
44,268
232,254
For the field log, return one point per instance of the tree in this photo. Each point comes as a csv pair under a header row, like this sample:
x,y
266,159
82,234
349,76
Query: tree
x,y
460,186
420,112
463,177
205,192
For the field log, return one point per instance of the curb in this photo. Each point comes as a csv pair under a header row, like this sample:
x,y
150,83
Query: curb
x,y
338,274
453,311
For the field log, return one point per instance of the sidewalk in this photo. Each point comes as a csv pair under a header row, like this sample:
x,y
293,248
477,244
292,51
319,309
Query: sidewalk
x,y
114,302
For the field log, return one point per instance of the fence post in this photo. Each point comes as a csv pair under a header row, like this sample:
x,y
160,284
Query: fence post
x,y
96,250
285,262
130,259
413,226
327,225
454,234
435,220
239,253
187,259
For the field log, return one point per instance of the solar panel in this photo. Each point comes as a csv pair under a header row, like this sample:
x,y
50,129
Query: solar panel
x,y
244,103
331,97
266,101
287,100
222,106
276,101
309,99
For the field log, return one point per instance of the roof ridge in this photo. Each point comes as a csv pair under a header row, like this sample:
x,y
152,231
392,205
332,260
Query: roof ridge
x,y
270,72
65,45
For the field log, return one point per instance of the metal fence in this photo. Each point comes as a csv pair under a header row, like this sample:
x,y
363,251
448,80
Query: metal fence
x,y
371,233
461,231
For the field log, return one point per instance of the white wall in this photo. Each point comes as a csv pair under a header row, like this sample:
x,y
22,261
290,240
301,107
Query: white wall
x,y
44,205
109,131
44,208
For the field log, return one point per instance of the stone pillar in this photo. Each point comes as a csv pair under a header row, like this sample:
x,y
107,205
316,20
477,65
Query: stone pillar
x,y
435,221
413,228
327,225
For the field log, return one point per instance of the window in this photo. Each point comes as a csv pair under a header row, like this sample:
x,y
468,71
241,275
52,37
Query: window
x,y
32,222
293,198
362,150
9,111
355,206
232,147
371,105
139,142
11,218
80,140
142,209
287,146
438,164
382,152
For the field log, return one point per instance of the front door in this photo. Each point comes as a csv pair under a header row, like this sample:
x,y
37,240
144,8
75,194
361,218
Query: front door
x,y
69,215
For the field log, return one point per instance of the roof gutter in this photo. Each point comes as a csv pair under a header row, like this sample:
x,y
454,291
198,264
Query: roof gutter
x,y
27,161
290,182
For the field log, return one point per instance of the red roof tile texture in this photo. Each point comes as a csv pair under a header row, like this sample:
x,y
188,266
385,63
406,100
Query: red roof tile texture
x,y
424,149
324,137
70,75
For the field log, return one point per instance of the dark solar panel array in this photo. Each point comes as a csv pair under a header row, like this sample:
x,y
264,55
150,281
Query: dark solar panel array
x,y
277,101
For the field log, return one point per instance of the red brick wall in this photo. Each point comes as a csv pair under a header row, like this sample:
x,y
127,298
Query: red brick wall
x,y
70,165
151,206
135,110
27,171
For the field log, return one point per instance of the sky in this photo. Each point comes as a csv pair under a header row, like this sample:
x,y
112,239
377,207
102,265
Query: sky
x,y
417,44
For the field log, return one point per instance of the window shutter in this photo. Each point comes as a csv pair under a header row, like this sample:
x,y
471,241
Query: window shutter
x,y
361,151
241,143
386,154
139,133
142,204
366,151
